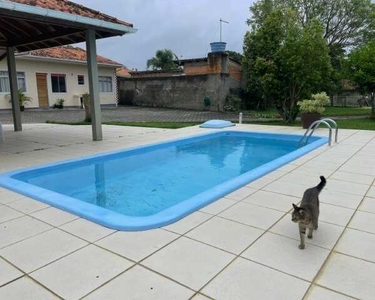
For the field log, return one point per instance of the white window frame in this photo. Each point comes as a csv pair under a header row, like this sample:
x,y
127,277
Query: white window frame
x,y
20,71
112,89
66,82
84,79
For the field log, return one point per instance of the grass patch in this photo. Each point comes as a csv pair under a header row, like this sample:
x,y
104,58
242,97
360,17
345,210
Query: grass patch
x,y
331,111
166,125
362,124
270,113
69,123
346,111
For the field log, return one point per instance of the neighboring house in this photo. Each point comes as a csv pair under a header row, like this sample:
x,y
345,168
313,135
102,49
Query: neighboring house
x,y
214,63
123,72
215,76
350,95
58,73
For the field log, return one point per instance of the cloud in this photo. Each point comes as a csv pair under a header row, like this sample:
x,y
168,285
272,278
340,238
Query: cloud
x,y
185,27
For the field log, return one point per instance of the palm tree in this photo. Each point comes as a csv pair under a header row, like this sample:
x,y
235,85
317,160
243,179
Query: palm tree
x,y
163,60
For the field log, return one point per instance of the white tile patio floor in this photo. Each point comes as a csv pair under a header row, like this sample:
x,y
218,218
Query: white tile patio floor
x,y
243,246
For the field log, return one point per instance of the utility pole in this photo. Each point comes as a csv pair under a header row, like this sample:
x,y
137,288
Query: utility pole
x,y
221,22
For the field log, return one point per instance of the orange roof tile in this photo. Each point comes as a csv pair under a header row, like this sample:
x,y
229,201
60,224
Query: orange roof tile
x,y
122,72
66,6
70,53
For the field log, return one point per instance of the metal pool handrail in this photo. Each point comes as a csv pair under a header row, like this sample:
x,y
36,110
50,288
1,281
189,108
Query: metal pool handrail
x,y
311,129
334,126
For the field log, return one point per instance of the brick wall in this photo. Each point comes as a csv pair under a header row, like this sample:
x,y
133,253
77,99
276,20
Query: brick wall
x,y
214,76
235,70
216,63
196,68
185,92
158,73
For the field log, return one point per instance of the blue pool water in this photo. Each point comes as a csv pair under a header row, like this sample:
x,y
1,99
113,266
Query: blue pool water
x,y
142,185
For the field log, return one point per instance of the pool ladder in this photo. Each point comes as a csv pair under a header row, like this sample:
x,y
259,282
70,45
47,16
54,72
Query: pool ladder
x,y
315,125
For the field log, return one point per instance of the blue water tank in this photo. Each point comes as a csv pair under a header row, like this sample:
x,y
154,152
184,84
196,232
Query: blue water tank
x,y
218,46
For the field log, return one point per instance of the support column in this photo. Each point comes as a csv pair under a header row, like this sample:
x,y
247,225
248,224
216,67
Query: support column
x,y
14,89
92,64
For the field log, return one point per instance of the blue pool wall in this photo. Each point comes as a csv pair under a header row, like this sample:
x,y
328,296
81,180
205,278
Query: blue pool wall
x,y
110,219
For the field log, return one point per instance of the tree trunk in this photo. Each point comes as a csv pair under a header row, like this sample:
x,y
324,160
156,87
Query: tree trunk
x,y
86,102
372,116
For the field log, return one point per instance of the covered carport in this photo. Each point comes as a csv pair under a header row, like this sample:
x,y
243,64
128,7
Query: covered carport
x,y
27,25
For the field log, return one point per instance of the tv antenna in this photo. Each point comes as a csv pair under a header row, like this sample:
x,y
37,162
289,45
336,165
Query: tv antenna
x,y
221,31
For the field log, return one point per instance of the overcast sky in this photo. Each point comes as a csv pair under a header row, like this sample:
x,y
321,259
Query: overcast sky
x,y
185,27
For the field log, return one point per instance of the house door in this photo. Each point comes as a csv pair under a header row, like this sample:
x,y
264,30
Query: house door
x,y
41,82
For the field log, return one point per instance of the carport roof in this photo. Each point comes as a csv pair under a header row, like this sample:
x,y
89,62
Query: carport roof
x,y
72,8
36,24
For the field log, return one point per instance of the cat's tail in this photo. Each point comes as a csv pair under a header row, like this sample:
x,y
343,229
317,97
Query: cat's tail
x,y
322,183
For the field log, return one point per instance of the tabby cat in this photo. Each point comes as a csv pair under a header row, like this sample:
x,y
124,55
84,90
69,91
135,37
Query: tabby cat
x,y
308,213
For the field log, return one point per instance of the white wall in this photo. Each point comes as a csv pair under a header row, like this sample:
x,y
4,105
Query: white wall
x,y
71,70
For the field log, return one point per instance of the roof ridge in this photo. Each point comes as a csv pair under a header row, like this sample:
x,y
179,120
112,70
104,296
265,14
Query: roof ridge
x,y
95,11
71,54
70,7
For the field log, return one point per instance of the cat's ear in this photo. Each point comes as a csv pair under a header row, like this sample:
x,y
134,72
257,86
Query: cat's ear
x,y
295,207
302,212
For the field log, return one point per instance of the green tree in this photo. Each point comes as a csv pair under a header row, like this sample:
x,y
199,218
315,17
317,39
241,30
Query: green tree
x,y
285,61
345,22
235,55
260,58
360,68
163,60
304,65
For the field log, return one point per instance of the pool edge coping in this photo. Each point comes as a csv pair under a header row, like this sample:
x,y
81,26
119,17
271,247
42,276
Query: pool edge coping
x,y
170,215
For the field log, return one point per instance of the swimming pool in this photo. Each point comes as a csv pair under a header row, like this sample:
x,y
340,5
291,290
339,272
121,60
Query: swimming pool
x,y
152,186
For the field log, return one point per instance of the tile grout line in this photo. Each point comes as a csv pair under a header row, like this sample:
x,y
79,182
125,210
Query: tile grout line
x,y
29,237
236,255
184,235
363,231
338,240
239,255
139,263
93,243
175,239
30,215
326,288
151,253
25,275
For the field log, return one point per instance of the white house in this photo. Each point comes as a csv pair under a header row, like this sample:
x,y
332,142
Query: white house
x,y
58,73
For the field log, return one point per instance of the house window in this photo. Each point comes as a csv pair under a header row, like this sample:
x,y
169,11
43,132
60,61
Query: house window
x,y
5,85
81,79
58,83
105,84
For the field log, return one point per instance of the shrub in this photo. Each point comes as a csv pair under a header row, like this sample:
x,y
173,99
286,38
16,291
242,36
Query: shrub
x,y
251,100
59,104
233,103
314,105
